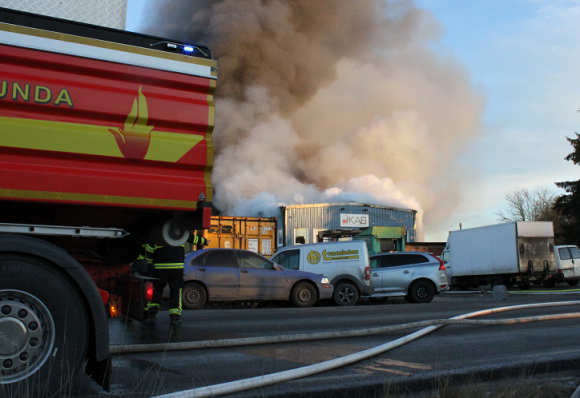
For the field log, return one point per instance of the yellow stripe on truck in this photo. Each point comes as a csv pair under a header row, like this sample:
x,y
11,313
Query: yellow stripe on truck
x,y
88,139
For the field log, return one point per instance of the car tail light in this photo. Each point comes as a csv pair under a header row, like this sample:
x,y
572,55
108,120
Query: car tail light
x,y
367,273
148,291
442,264
560,271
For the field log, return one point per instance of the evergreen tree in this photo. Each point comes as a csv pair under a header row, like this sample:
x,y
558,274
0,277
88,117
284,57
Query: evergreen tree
x,y
568,205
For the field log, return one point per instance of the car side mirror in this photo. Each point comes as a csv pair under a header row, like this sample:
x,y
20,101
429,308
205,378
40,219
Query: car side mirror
x,y
277,267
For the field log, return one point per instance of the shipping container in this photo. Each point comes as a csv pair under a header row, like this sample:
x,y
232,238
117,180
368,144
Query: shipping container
x,y
249,233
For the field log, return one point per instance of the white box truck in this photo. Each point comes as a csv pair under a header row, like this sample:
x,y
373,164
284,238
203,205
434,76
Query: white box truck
x,y
520,252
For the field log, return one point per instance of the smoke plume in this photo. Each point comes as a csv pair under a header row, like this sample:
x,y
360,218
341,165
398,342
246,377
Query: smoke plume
x,y
329,101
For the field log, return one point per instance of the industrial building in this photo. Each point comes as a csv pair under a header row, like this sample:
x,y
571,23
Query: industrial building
x,y
110,13
301,223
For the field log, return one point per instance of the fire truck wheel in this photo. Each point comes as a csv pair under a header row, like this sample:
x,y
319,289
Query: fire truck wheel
x,y
194,296
303,295
345,294
572,282
43,313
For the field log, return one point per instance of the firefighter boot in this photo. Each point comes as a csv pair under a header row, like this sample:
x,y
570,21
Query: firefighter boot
x,y
175,319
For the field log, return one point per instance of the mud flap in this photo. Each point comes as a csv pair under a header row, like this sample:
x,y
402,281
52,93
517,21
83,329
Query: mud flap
x,y
101,372
132,292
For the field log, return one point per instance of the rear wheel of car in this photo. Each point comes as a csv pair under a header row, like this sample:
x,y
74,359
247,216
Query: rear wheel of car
x,y
573,282
194,296
549,283
303,295
345,294
420,291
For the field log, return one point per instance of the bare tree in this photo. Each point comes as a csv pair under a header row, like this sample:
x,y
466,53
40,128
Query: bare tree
x,y
535,204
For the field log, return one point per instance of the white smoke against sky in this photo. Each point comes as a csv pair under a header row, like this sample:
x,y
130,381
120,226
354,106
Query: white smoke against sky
x,y
330,101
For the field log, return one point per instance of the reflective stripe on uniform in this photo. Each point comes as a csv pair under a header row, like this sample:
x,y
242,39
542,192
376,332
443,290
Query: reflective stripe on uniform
x,y
180,308
168,266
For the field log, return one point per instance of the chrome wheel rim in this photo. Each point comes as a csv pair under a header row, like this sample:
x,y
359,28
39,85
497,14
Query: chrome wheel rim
x,y
27,335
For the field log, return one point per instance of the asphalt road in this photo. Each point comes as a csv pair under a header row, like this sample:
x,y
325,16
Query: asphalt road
x,y
497,351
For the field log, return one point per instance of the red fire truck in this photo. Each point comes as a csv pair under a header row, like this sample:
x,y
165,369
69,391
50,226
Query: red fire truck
x,y
105,143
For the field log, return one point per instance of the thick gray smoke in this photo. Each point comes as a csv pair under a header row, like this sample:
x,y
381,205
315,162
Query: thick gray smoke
x,y
329,101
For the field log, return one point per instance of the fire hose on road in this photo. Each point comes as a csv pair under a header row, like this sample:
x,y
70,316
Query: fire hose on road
x,y
139,348
260,381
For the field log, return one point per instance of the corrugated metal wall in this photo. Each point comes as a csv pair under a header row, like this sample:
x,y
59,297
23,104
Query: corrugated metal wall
x,y
327,217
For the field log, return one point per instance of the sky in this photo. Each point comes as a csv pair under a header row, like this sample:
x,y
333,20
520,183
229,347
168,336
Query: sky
x,y
523,59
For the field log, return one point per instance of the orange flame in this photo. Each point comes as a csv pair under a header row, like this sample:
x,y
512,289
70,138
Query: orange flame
x,y
134,139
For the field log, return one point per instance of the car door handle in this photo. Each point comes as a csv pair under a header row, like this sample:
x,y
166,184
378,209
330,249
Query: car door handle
x,y
405,272
244,271
375,274
201,269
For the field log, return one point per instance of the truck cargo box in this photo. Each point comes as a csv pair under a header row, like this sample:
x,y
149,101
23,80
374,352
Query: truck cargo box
x,y
108,123
516,252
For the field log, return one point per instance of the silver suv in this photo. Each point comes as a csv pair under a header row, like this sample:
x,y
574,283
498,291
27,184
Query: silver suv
x,y
417,276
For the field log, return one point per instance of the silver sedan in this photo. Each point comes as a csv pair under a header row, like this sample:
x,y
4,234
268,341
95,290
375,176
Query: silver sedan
x,y
233,275
417,276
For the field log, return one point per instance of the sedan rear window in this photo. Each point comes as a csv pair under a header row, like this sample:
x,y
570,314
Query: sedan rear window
x,y
251,260
218,258
417,259
198,260
395,260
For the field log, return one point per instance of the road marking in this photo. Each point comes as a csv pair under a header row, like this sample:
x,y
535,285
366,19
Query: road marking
x,y
393,371
391,362
363,371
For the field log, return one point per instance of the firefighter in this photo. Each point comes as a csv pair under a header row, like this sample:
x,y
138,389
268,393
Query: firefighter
x,y
141,266
167,263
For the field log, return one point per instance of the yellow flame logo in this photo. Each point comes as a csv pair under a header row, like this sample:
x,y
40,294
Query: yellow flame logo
x,y
134,138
